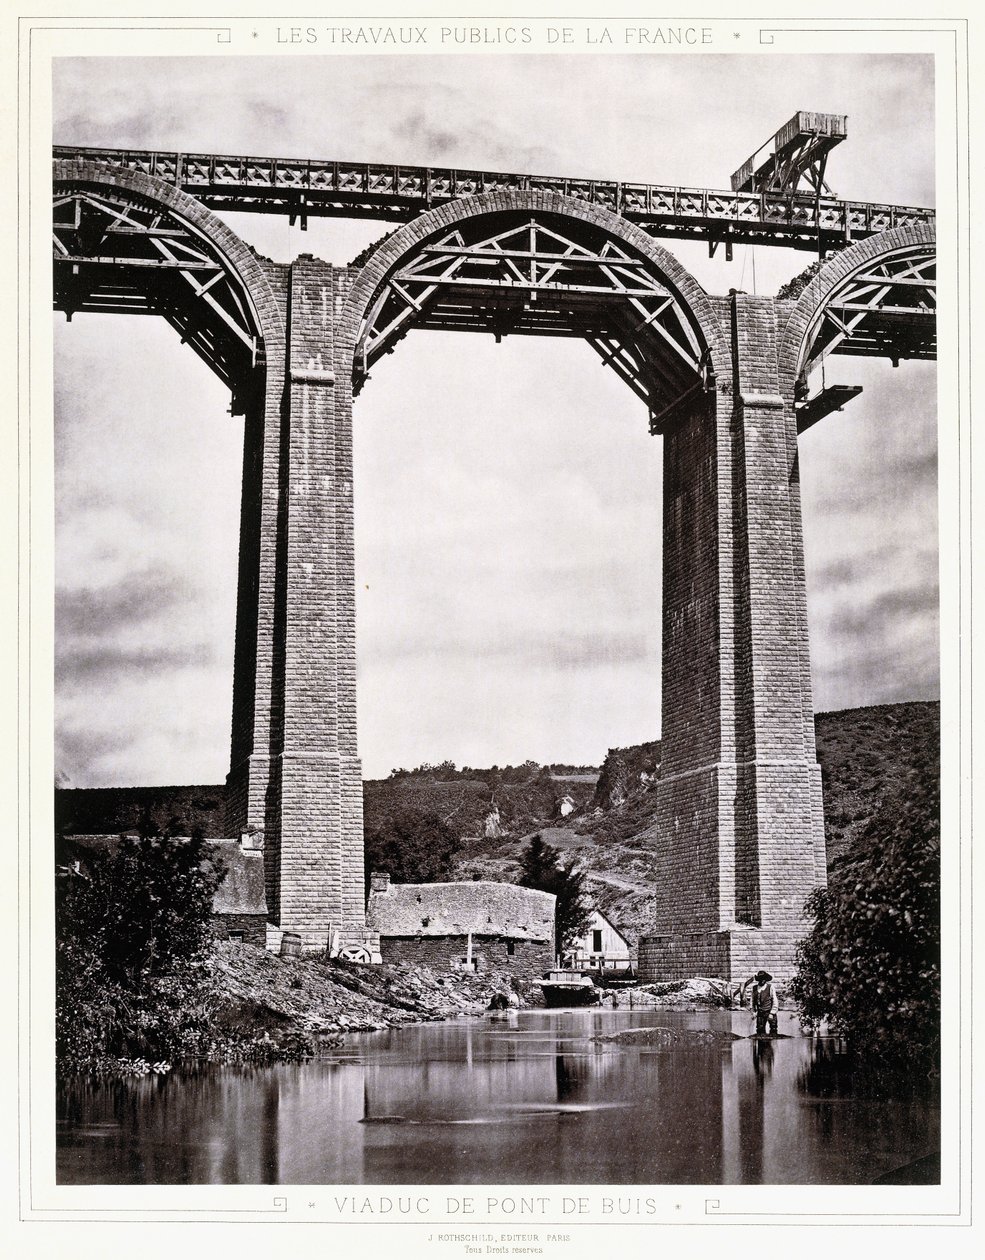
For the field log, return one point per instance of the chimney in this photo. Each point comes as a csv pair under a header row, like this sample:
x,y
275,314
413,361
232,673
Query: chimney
x,y
379,882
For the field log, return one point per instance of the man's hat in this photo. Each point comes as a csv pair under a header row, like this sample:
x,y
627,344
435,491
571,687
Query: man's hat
x,y
763,976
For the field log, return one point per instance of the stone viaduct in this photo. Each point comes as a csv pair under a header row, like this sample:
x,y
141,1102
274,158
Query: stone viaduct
x,y
726,381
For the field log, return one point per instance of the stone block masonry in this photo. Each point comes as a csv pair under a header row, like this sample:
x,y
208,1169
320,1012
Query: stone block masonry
x,y
526,960
296,777
740,840
251,929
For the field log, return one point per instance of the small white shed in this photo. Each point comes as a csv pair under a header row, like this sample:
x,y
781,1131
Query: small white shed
x,y
601,946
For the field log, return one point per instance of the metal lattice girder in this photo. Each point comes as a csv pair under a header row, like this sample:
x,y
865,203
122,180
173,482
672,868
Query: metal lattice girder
x,y
301,189
114,253
888,309
523,275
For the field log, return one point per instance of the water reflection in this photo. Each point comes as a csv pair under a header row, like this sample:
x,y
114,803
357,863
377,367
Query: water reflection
x,y
532,1098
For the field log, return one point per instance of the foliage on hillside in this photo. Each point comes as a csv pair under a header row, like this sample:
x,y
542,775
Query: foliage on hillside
x,y
513,801
795,287
524,796
494,777
414,846
864,755
113,811
625,773
870,965
869,755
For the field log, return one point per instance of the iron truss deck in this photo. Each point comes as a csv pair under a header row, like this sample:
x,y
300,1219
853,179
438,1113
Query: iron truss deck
x,y
304,189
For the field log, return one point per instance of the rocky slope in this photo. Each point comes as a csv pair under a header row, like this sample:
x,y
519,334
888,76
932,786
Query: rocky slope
x,y
316,995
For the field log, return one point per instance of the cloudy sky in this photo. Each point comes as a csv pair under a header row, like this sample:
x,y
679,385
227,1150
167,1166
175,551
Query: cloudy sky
x,y
508,496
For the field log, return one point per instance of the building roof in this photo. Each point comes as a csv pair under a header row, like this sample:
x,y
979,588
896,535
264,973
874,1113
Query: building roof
x,y
482,907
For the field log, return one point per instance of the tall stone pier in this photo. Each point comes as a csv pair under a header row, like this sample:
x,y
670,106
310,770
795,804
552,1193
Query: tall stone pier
x,y
296,778
740,840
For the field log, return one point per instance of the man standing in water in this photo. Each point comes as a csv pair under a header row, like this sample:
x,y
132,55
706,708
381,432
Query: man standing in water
x,y
764,1002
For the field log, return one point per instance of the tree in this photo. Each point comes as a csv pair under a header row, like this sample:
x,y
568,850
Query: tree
x,y
870,964
415,846
541,868
133,933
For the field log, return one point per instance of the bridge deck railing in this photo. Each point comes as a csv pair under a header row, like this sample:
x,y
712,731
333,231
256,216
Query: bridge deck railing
x,y
303,188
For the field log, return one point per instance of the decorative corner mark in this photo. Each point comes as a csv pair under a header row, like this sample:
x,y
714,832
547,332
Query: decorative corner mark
x,y
280,1204
712,1206
765,37
224,36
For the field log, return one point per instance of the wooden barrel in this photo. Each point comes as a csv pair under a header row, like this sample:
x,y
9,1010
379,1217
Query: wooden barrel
x,y
290,945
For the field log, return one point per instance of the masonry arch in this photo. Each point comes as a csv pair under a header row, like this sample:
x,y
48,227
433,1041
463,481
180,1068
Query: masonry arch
x,y
738,759
129,243
125,242
537,263
876,297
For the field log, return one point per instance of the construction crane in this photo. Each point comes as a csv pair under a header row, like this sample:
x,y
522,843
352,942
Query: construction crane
x,y
797,152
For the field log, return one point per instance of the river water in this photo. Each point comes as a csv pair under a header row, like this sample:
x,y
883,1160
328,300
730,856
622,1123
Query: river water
x,y
524,1098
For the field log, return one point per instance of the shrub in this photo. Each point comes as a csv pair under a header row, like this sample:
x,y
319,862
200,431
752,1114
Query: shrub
x,y
133,935
870,965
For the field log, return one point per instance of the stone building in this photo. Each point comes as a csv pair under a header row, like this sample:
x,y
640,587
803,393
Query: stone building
x,y
239,908
479,925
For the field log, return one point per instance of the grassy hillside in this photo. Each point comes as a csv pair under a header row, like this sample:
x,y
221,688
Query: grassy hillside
x,y
489,803
866,756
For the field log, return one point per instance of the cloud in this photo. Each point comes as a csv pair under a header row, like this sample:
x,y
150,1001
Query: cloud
x,y
875,643
88,611
558,649
880,618
901,467
81,665
417,128
80,749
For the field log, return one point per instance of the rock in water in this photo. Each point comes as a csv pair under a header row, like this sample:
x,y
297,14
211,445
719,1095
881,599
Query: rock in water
x,y
660,1036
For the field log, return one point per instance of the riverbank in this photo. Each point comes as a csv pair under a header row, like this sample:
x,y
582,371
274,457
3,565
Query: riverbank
x,y
283,1004
258,1007
535,1097
319,996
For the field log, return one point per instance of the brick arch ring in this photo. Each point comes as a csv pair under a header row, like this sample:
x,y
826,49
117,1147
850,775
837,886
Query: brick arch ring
x,y
405,244
912,247
249,288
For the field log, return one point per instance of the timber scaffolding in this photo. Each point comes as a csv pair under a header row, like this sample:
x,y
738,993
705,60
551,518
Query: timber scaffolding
x,y
304,189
